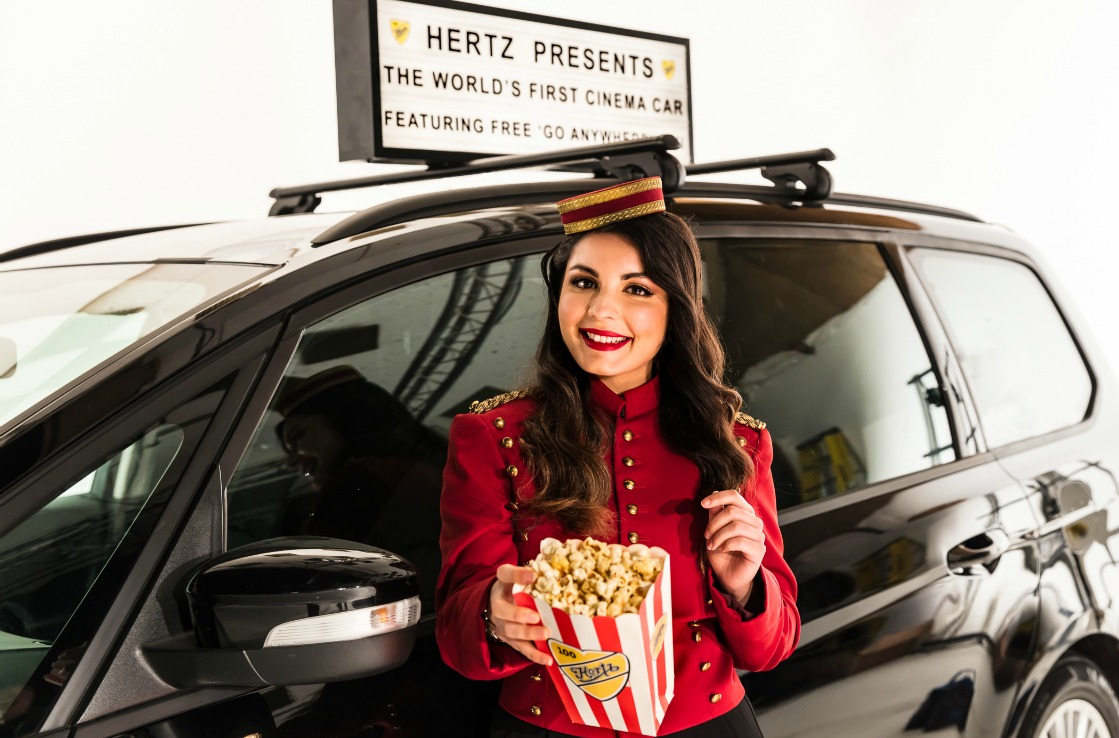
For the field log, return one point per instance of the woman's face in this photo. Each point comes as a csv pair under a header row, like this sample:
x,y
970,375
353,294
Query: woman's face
x,y
314,447
613,318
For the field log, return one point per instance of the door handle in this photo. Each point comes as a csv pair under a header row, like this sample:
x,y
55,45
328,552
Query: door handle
x,y
977,551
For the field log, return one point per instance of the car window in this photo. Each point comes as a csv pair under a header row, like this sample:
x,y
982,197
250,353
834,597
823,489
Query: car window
x,y
824,349
354,442
1012,343
49,561
61,566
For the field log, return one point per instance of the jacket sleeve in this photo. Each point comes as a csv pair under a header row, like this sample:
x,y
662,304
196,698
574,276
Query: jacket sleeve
x,y
760,641
476,538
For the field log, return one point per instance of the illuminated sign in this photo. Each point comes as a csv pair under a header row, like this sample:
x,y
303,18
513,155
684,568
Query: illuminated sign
x,y
447,81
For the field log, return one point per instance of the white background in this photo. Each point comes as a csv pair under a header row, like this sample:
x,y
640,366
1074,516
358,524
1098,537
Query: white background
x,y
126,113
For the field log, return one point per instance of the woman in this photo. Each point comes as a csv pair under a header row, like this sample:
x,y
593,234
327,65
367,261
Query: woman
x,y
629,435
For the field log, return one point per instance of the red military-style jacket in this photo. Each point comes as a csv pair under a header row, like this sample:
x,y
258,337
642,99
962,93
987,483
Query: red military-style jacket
x,y
656,497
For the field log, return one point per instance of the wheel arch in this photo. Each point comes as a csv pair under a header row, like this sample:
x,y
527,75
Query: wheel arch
x,y
1101,649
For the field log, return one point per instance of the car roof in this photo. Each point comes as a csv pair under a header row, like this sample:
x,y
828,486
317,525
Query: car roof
x,y
265,241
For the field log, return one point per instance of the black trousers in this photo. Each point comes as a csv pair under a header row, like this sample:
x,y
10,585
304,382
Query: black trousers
x,y
738,723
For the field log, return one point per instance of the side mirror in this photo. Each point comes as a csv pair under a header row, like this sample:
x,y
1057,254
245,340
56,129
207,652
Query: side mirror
x,y
296,610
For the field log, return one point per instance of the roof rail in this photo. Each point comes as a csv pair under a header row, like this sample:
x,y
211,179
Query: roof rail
x,y
58,244
643,157
783,170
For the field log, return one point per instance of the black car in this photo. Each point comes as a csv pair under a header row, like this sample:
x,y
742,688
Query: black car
x,y
189,546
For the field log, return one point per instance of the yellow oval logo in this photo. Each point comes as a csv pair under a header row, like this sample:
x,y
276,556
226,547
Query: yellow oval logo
x,y
600,674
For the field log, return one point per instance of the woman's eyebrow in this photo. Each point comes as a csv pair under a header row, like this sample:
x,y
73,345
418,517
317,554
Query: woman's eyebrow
x,y
593,273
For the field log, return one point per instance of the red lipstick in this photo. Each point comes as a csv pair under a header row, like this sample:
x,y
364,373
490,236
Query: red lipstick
x,y
612,345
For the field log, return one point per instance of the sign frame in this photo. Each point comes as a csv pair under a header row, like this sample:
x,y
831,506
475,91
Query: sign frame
x,y
358,80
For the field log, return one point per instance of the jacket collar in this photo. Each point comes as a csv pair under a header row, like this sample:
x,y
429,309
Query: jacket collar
x,y
631,404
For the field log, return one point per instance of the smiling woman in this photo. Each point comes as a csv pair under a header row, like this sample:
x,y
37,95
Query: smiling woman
x,y
627,435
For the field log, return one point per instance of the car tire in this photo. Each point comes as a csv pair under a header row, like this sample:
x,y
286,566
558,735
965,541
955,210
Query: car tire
x,y
1074,692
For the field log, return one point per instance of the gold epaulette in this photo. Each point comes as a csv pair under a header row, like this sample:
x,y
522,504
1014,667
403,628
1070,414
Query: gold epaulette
x,y
744,419
484,406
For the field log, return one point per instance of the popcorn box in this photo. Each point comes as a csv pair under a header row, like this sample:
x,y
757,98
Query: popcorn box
x,y
613,672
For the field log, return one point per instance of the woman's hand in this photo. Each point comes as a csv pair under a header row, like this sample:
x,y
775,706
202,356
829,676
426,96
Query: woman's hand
x,y
517,626
735,541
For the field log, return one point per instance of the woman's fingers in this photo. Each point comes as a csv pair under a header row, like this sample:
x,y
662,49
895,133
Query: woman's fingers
x,y
531,652
509,574
734,530
724,497
518,626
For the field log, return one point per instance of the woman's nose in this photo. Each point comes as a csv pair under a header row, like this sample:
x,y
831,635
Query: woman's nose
x,y
601,305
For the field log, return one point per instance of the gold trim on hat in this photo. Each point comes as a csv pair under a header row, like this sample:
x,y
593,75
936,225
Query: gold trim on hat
x,y
606,195
636,211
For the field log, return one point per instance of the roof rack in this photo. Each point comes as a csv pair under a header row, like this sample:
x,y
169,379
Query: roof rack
x,y
783,170
798,178
644,157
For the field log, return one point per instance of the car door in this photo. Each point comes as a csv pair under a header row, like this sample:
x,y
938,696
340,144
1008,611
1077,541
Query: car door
x,y
908,540
348,439
87,529
1043,412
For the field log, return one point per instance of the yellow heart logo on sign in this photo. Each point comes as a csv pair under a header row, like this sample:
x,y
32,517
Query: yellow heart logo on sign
x,y
601,674
669,67
400,30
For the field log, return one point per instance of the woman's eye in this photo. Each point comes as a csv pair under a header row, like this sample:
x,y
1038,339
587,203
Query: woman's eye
x,y
638,290
582,283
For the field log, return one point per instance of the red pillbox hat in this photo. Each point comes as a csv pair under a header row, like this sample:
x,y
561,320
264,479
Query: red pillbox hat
x,y
612,204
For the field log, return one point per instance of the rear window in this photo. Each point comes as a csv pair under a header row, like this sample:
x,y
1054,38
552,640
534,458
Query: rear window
x,y
1021,362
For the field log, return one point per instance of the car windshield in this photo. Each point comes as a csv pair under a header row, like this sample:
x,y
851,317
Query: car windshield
x,y
58,323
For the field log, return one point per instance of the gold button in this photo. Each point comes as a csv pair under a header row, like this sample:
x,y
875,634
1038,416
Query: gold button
x,y
693,624
716,697
741,441
511,470
535,710
710,601
705,666
499,422
627,461
507,442
697,636
631,509
536,677
628,484
633,537
627,435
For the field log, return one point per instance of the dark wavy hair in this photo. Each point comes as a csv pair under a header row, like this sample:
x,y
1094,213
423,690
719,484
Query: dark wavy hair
x,y
565,440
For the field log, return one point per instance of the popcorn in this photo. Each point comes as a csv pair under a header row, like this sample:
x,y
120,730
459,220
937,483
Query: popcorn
x,y
588,577
608,611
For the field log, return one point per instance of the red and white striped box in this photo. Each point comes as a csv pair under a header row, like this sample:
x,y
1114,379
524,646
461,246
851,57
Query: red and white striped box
x,y
613,672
